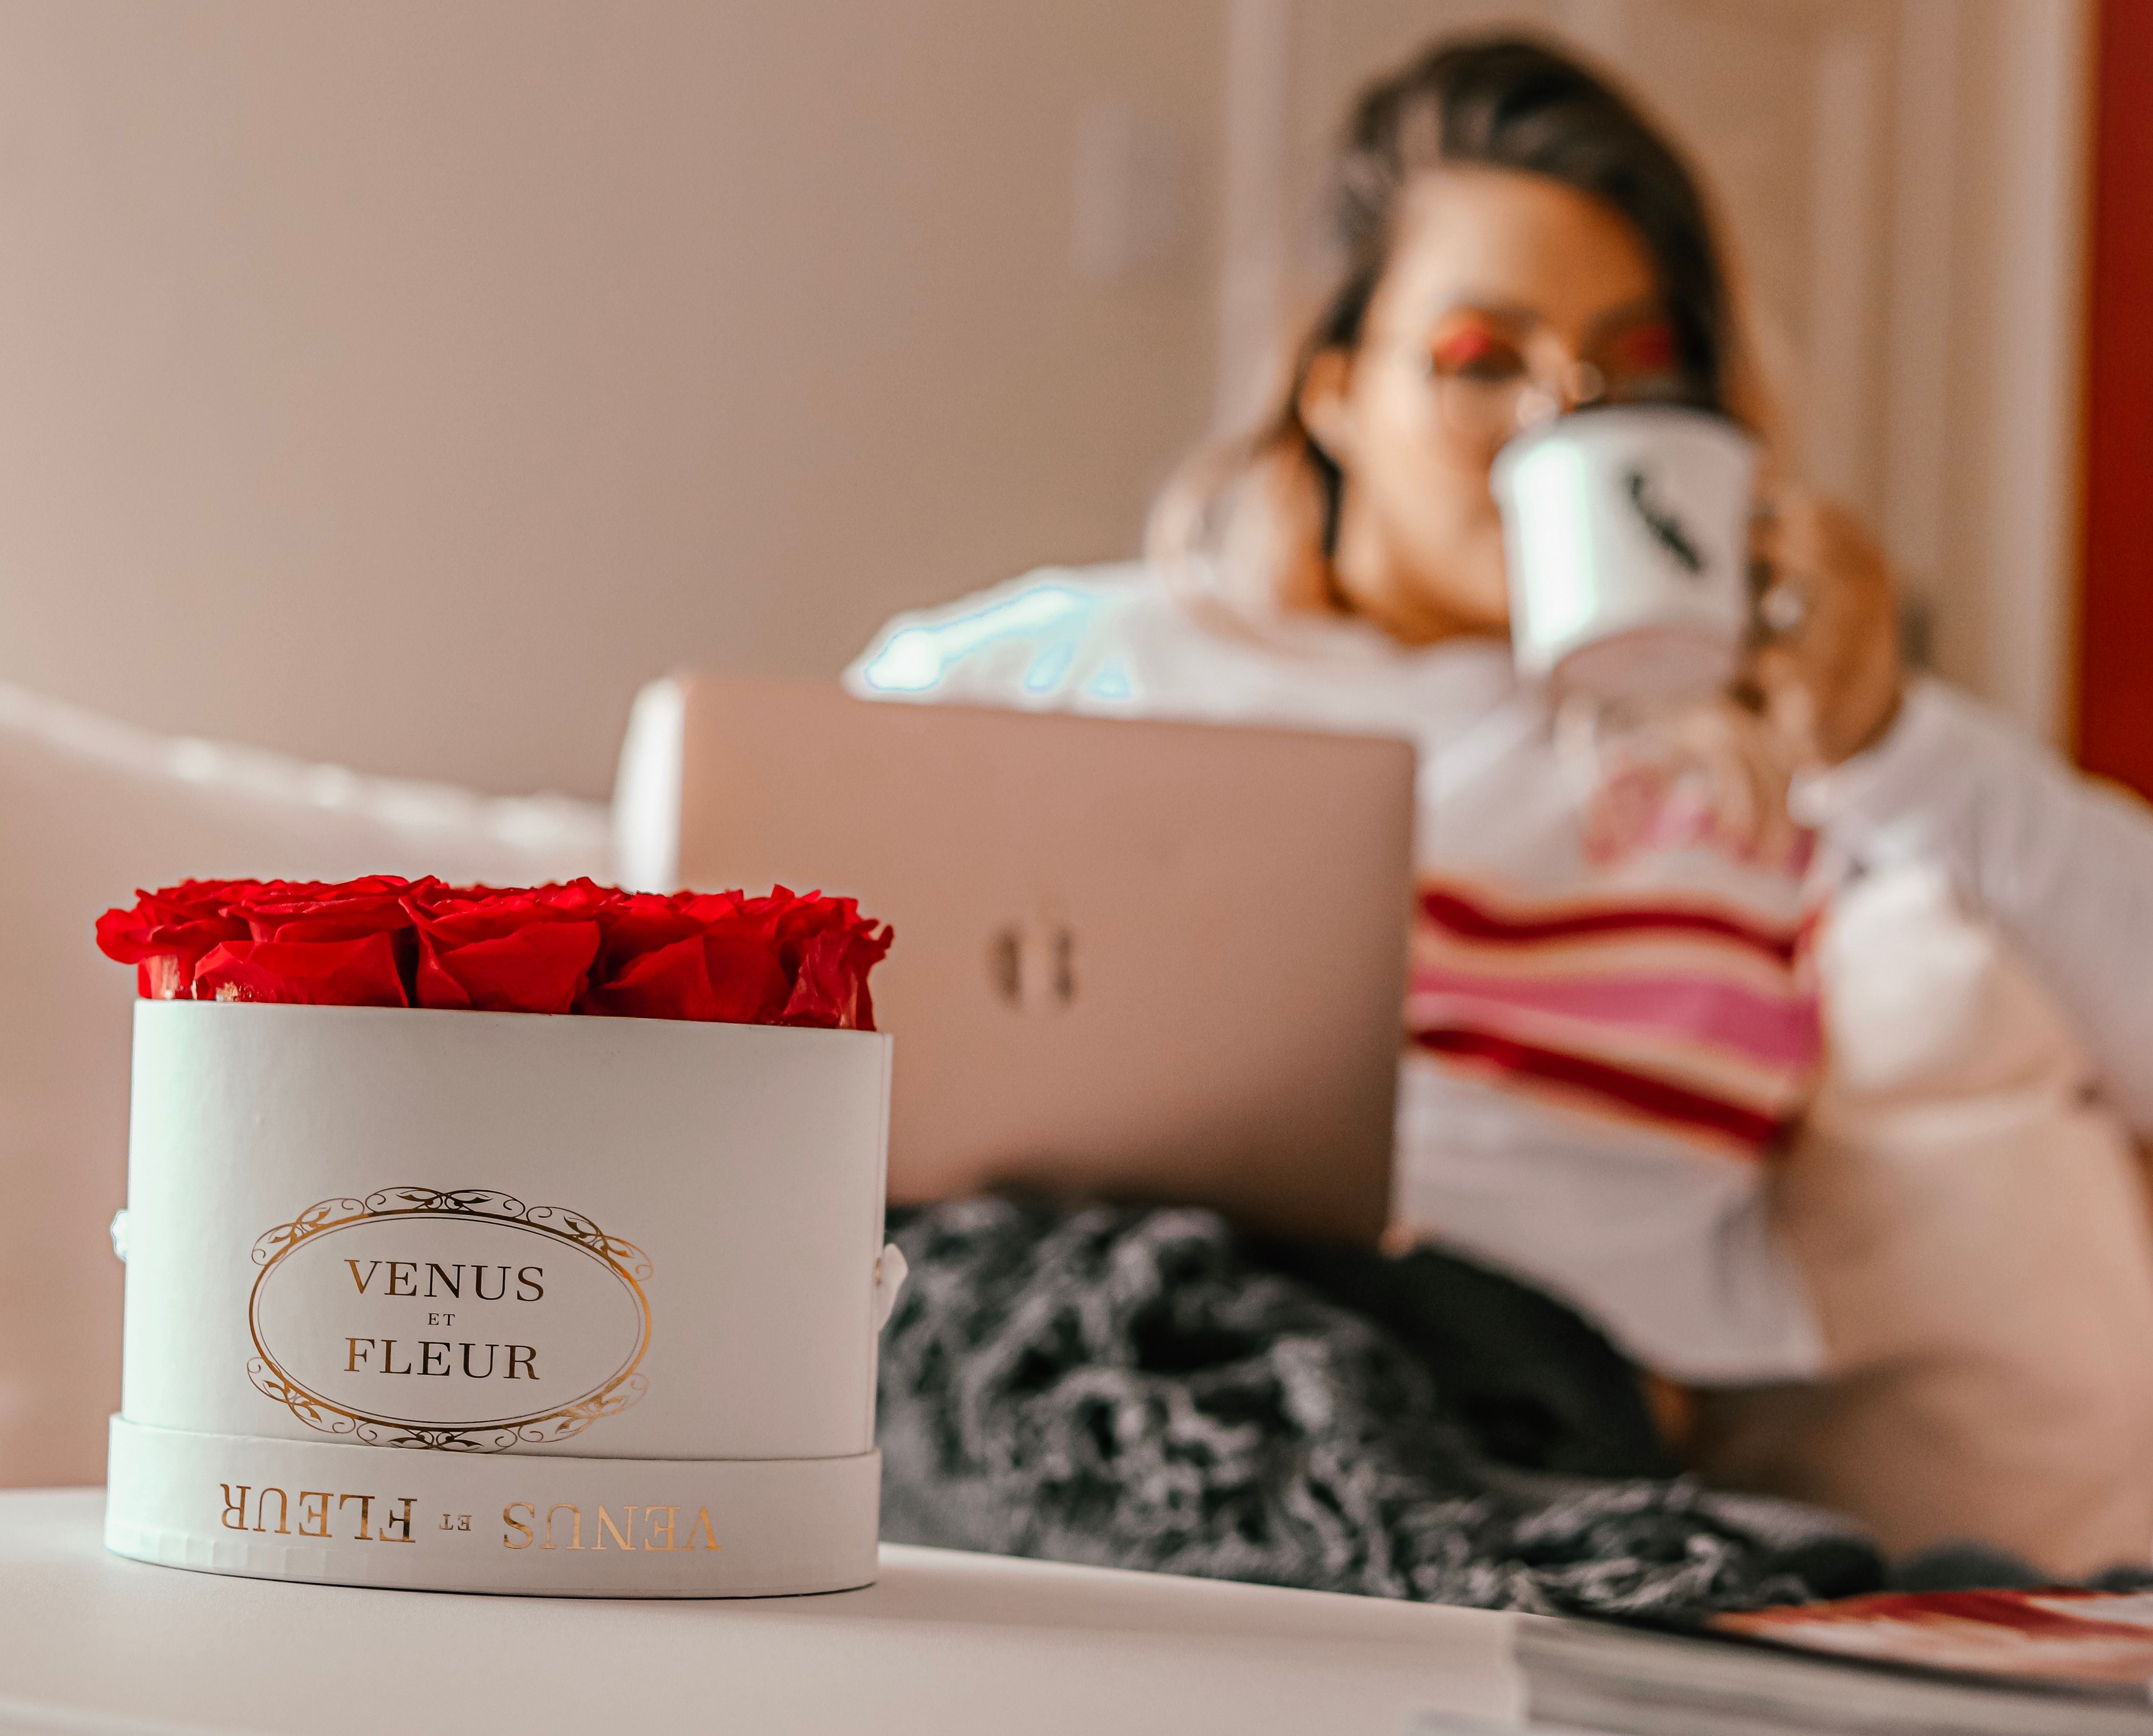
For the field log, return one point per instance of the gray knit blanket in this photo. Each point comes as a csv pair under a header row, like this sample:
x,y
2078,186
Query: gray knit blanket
x,y
1136,1389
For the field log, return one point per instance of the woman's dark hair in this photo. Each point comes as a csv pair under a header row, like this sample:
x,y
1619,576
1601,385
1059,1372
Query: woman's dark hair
x,y
1508,103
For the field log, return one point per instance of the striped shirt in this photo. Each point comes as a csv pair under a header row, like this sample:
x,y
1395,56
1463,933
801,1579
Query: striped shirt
x,y
1609,1027
1688,1017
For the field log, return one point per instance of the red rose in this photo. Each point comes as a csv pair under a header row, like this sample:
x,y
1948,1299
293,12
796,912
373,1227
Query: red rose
x,y
314,910
639,922
830,949
318,944
706,956
362,972
383,941
167,933
485,950
308,942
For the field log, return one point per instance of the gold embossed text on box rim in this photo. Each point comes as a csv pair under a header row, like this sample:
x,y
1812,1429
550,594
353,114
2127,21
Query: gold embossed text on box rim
x,y
623,1259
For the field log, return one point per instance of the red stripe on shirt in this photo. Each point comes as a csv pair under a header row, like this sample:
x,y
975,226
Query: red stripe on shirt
x,y
1637,1092
1447,910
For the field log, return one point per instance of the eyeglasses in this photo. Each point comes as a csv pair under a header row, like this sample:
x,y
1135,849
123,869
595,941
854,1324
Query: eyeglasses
x,y
1489,387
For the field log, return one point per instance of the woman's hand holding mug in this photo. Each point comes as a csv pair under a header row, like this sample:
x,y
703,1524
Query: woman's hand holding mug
x,y
1717,632
1823,667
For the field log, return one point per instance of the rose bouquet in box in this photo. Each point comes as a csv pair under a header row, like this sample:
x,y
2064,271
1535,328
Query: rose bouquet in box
x,y
424,1290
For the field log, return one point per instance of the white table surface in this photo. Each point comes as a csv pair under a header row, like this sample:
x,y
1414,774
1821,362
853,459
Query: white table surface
x,y
945,1642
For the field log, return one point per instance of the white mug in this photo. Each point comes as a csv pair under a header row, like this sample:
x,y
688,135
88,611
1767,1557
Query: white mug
x,y
1626,536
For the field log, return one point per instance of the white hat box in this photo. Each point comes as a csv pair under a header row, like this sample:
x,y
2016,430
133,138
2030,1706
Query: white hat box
x,y
502,1301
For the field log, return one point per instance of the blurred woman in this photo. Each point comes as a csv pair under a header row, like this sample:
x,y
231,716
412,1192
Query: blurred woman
x,y
1609,1030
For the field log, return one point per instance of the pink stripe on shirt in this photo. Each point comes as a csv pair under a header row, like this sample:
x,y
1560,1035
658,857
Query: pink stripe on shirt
x,y
1775,1031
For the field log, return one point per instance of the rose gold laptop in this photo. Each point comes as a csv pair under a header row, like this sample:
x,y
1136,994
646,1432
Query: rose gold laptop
x,y
1138,960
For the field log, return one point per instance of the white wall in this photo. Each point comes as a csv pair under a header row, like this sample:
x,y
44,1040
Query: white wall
x,y
402,383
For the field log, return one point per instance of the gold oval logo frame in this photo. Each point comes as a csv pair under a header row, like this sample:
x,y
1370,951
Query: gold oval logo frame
x,y
624,1260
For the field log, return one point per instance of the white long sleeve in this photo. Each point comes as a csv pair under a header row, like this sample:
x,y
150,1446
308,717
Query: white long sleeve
x,y
2062,864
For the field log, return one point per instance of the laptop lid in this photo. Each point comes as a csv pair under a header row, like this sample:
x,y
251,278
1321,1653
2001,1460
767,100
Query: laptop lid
x,y
1136,960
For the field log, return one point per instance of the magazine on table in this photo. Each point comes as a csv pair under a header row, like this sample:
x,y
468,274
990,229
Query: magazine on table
x,y
2025,1662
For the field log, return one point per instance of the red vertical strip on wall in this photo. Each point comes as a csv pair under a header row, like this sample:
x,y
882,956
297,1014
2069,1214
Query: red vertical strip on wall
x,y
2116,615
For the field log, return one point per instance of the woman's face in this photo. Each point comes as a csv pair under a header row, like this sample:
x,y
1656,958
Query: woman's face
x,y
1508,297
